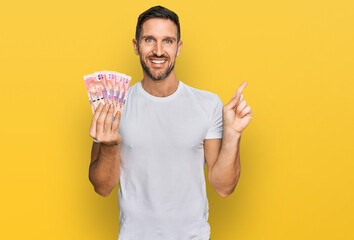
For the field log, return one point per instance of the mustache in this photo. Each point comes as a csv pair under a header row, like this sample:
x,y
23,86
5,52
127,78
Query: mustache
x,y
155,56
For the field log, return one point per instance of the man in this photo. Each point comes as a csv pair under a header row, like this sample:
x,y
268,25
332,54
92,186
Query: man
x,y
157,148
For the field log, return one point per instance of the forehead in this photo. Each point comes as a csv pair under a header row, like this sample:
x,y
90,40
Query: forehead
x,y
159,27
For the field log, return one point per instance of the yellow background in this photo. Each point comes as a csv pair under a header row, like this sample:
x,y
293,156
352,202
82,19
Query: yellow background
x,y
297,178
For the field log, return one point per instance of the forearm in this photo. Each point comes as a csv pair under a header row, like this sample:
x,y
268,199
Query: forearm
x,y
226,171
104,173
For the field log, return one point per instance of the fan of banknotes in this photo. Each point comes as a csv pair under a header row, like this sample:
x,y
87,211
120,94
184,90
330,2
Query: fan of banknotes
x,y
107,87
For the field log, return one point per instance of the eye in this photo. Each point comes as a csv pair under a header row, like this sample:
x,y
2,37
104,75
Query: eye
x,y
168,41
148,40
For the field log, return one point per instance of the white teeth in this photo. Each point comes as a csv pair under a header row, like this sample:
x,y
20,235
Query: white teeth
x,y
154,61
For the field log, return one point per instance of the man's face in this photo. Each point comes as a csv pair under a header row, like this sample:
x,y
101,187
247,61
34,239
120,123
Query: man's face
x,y
158,47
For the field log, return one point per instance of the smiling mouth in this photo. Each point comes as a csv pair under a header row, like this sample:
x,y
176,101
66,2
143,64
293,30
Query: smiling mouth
x,y
156,61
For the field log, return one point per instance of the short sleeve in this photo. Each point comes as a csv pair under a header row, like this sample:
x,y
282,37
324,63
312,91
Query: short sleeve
x,y
215,129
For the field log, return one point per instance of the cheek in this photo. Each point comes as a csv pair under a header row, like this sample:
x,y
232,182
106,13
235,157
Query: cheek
x,y
144,50
144,54
172,54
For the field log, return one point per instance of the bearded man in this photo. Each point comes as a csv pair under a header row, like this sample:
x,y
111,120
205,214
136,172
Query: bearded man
x,y
156,149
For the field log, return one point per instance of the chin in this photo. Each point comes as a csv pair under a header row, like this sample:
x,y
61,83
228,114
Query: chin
x,y
158,78
158,74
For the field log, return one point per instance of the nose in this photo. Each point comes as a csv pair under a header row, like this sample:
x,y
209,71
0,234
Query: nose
x,y
158,49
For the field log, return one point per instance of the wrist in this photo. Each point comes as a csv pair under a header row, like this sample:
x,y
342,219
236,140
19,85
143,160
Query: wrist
x,y
110,145
109,150
230,132
230,139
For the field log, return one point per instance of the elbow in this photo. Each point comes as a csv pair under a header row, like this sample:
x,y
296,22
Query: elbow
x,y
227,192
101,192
223,195
102,189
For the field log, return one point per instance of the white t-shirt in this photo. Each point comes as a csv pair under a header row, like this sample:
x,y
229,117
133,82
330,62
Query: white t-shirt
x,y
162,191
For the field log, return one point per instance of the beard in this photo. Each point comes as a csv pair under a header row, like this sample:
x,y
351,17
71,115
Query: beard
x,y
158,76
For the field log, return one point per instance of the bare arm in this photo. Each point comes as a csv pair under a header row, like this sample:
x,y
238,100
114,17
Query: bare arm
x,y
223,159
223,156
104,171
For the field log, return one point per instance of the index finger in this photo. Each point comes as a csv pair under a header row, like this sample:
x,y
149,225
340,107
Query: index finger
x,y
97,112
240,88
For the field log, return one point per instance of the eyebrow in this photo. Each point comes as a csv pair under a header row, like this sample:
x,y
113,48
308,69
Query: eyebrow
x,y
150,36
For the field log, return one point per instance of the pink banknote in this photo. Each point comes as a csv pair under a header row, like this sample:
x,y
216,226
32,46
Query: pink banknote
x,y
107,87
126,83
109,81
95,90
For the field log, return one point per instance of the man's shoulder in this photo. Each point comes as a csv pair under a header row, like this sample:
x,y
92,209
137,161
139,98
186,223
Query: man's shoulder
x,y
204,94
134,85
133,88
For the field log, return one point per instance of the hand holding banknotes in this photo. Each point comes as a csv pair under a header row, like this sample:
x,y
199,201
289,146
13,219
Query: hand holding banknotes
x,y
103,129
107,92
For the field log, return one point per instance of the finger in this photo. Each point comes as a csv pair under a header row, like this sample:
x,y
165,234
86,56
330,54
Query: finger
x,y
120,113
231,104
97,111
116,122
246,111
240,107
94,119
101,118
241,97
234,101
108,120
115,109
95,105
240,88
239,101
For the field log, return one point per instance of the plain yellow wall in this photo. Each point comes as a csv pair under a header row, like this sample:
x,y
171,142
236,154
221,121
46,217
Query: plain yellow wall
x,y
297,165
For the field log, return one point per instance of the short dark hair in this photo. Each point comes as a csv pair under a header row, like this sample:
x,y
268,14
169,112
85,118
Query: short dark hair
x,y
157,12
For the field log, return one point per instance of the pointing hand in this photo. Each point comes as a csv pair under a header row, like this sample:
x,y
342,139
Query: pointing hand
x,y
236,114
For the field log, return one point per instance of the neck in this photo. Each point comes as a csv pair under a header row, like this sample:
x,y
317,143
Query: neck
x,y
160,88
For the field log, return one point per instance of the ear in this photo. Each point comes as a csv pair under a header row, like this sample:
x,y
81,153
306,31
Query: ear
x,y
179,46
135,45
